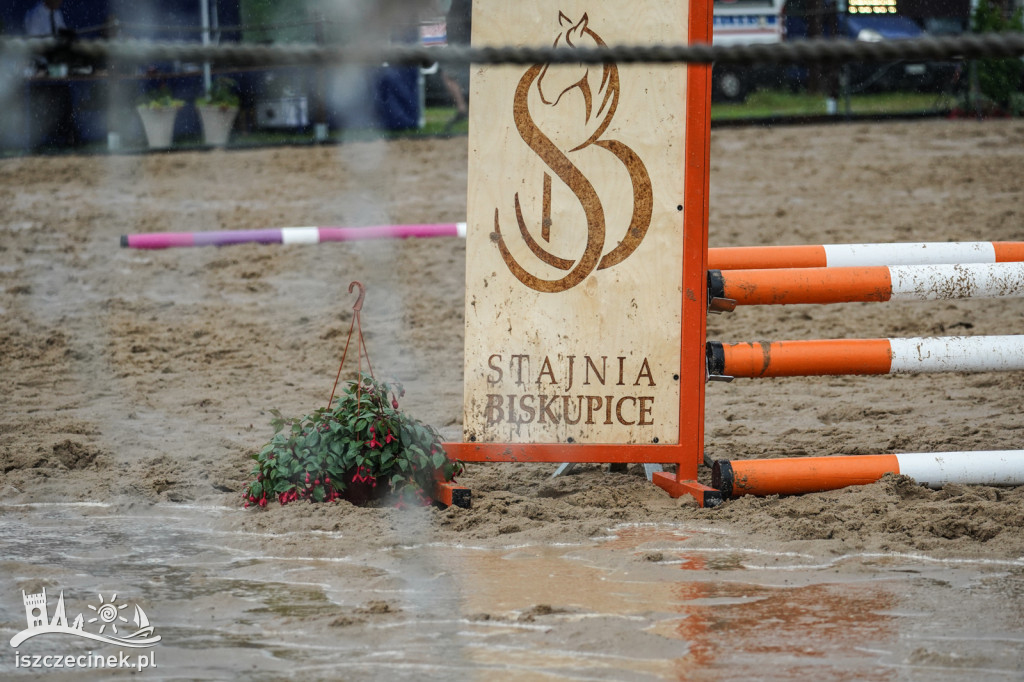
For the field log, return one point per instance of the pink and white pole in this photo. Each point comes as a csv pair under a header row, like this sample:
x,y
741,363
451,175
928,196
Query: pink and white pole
x,y
290,235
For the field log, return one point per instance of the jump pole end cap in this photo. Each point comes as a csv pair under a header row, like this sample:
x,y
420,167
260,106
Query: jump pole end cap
x,y
722,477
124,241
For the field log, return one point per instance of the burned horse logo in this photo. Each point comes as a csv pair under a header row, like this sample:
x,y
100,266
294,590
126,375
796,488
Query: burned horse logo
x,y
558,111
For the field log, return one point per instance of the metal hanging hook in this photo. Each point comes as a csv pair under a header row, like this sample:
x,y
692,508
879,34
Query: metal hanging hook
x,y
362,293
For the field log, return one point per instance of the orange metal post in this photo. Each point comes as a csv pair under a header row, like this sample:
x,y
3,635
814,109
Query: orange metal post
x,y
564,452
695,267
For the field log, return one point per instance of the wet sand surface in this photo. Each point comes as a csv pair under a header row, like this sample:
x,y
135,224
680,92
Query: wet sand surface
x,y
136,384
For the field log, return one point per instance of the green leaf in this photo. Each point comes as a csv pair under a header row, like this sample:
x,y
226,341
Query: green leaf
x,y
439,459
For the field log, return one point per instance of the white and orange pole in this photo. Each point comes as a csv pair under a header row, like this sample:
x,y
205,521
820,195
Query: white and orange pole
x,y
862,255
788,286
799,475
838,357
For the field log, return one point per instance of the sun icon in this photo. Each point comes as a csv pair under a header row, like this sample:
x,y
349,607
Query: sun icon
x,y
108,614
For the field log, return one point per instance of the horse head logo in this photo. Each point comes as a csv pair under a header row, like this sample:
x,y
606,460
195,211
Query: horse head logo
x,y
559,109
584,82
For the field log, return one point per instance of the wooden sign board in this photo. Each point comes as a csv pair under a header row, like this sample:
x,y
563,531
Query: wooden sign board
x,y
587,239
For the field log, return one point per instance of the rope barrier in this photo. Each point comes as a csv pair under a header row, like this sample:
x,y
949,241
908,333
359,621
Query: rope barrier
x,y
967,46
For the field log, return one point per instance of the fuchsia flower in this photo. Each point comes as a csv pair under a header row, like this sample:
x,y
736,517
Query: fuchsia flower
x,y
389,437
362,475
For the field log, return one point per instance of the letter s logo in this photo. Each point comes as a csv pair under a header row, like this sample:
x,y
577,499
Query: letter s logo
x,y
552,87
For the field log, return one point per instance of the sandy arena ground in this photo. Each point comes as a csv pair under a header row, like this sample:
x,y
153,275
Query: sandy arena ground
x,y
140,382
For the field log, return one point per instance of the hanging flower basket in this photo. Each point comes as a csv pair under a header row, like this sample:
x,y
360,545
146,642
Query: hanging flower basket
x,y
361,448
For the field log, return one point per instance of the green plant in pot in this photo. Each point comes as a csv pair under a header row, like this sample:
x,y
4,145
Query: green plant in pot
x,y
362,448
218,110
158,110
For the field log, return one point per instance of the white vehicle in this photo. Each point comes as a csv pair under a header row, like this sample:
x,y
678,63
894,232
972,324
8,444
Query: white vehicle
x,y
744,22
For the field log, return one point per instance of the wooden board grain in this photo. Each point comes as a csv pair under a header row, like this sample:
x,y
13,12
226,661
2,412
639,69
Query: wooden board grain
x,y
575,230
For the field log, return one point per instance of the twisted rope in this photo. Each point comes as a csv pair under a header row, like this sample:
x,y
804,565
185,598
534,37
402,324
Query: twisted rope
x,y
968,46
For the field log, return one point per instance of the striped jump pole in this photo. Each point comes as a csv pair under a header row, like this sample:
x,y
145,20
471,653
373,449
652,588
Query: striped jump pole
x,y
863,255
290,235
799,475
722,258
787,286
836,357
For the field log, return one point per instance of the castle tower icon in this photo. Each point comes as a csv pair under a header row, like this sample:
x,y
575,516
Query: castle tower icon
x,y
35,608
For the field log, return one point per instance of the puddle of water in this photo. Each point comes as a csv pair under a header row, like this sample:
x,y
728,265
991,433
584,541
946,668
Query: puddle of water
x,y
639,604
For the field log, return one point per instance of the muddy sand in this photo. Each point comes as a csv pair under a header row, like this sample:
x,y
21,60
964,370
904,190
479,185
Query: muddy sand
x,y
136,384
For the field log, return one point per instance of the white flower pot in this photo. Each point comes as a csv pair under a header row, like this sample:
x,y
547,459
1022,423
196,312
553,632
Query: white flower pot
x,y
158,124
217,123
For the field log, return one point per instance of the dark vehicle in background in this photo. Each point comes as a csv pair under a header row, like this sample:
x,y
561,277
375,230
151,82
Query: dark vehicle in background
x,y
873,21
